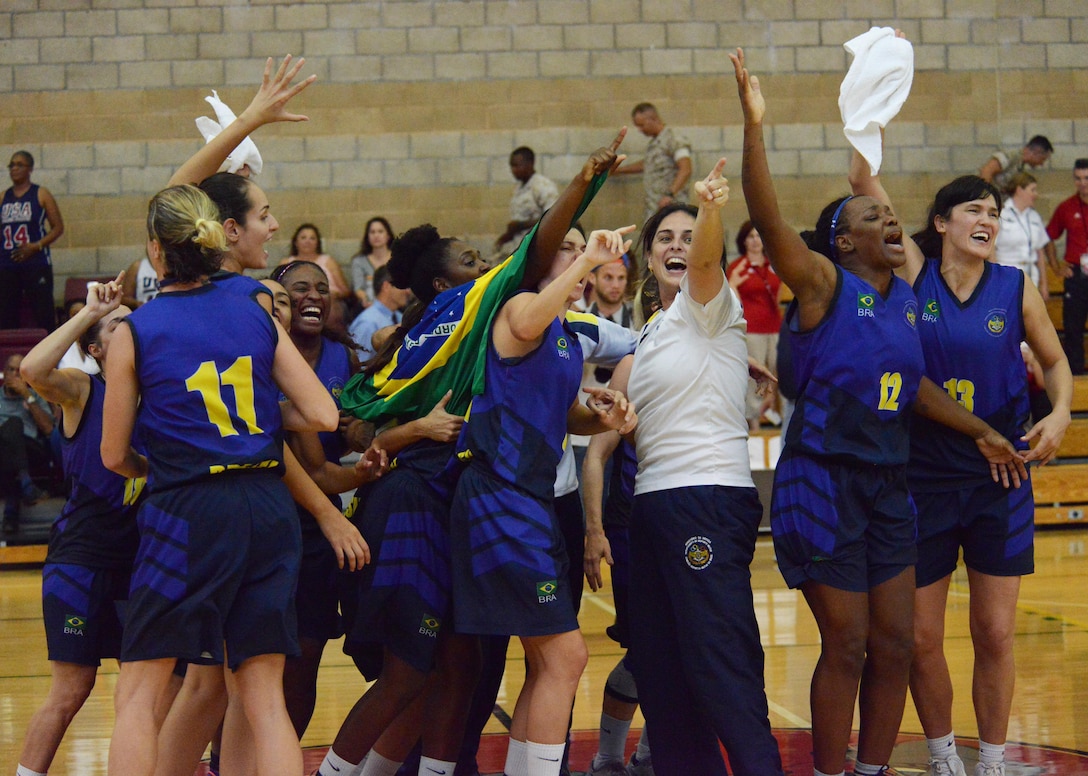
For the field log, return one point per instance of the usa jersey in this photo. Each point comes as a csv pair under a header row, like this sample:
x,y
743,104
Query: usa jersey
x,y
97,524
972,350
517,427
22,221
208,401
857,374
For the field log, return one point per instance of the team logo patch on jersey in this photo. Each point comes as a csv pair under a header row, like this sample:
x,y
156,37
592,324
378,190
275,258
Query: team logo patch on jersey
x,y
562,348
545,591
698,552
995,323
866,304
74,624
336,387
910,312
429,626
931,312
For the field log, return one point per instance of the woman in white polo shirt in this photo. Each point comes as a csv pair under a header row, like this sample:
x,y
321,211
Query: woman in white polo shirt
x,y
695,649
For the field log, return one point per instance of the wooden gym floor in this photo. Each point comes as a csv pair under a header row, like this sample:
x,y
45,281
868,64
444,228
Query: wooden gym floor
x,y
1050,711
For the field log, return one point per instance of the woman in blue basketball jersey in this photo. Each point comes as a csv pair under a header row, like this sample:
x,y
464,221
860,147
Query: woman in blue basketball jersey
x,y
400,595
317,597
509,561
973,316
842,515
219,542
26,268
93,542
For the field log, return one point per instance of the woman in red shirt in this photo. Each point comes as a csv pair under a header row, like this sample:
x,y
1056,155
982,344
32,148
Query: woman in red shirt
x,y
757,286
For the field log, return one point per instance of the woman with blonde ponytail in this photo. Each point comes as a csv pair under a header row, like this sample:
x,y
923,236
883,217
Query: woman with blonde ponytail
x,y
219,543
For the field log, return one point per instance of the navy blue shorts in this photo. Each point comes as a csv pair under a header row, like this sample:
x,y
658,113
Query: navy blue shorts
x,y
317,597
404,594
994,525
81,611
510,566
218,562
850,527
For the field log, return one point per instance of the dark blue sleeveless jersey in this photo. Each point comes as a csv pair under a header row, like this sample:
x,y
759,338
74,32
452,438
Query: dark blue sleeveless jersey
x,y
517,426
240,284
208,402
857,374
97,524
972,350
333,370
22,221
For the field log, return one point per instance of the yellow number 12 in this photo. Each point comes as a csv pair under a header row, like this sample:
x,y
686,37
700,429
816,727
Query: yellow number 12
x,y
891,383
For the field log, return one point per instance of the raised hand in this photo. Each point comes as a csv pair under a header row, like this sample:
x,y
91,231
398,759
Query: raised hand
x,y
604,159
751,98
270,102
713,190
604,245
104,298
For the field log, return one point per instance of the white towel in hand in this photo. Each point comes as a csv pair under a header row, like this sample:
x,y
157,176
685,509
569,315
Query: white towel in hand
x,y
875,88
246,151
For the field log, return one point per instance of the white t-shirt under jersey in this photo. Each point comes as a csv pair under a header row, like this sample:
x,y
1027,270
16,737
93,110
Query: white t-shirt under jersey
x,y
688,384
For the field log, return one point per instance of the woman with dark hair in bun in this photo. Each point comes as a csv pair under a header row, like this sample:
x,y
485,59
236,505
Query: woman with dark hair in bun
x,y
214,573
842,516
421,380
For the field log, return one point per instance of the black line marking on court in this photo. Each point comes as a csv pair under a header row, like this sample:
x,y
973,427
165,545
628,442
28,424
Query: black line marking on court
x,y
502,716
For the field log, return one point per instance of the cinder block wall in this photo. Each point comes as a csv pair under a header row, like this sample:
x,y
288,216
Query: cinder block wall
x,y
419,102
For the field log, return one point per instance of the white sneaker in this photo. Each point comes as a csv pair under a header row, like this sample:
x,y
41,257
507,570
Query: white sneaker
x,y
641,767
990,769
948,766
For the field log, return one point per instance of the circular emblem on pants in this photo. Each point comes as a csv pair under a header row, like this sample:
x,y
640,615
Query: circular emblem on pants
x,y
698,552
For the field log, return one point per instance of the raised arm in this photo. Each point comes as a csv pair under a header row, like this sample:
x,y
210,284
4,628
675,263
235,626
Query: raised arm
x,y
69,387
705,277
810,275
864,183
268,106
523,320
555,224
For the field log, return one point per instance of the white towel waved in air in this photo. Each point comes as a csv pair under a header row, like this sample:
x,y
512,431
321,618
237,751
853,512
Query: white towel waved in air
x,y
875,88
245,153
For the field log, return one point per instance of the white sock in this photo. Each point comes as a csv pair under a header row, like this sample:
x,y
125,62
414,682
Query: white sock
x,y
376,765
517,763
990,753
544,759
22,770
429,766
864,769
942,748
358,770
642,753
613,739
334,764
821,773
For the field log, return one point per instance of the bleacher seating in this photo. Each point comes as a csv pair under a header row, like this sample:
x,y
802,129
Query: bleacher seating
x,y
19,341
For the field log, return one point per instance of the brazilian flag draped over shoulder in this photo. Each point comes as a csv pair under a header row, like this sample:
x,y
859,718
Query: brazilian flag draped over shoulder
x,y
448,348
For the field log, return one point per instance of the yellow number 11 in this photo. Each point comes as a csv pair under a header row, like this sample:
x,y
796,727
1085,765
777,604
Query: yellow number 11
x,y
209,382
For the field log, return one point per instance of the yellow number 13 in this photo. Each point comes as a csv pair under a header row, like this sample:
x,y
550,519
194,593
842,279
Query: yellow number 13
x,y
209,382
962,391
891,383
